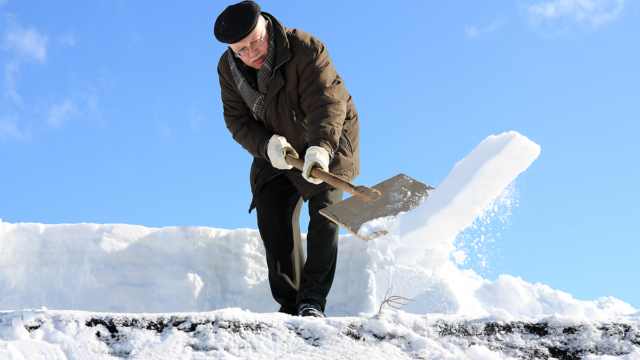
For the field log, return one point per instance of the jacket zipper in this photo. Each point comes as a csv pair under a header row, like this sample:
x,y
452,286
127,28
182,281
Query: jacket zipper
x,y
294,115
284,61
276,68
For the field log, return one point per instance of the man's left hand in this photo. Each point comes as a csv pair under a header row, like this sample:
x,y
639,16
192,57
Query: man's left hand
x,y
316,156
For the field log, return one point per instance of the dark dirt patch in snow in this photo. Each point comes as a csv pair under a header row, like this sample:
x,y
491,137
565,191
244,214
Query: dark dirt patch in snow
x,y
232,332
516,339
544,340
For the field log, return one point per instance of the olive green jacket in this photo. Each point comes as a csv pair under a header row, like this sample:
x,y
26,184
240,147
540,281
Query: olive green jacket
x,y
306,102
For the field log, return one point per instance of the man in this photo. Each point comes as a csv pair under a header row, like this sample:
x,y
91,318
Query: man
x,y
281,95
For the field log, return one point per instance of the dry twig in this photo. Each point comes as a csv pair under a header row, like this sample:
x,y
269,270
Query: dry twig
x,y
391,300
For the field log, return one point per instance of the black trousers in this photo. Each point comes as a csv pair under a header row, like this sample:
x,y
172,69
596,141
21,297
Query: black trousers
x,y
292,279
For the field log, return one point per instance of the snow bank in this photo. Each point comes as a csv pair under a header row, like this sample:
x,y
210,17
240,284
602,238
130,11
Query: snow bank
x,y
126,268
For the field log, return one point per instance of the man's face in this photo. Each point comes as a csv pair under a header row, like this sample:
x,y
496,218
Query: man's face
x,y
255,57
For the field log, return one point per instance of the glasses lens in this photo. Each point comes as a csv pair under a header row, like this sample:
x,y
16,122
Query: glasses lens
x,y
256,43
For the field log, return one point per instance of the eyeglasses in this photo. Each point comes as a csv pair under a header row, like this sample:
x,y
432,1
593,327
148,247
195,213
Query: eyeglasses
x,y
254,44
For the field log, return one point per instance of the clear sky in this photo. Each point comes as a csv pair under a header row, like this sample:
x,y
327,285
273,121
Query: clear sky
x,y
110,113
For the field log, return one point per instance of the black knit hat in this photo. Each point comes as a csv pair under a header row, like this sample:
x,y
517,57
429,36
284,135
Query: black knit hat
x,y
236,22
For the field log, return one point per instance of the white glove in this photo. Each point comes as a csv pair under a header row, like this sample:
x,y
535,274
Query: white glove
x,y
277,149
316,157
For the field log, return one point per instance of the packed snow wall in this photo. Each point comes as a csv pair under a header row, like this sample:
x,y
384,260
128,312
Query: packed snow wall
x,y
127,268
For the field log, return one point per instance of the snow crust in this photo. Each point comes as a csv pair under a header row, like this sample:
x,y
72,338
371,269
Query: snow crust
x,y
237,334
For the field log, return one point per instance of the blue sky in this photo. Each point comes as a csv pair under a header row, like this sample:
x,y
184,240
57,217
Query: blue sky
x,y
110,113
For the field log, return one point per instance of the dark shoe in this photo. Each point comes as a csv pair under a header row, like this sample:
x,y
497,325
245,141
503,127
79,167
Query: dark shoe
x,y
310,308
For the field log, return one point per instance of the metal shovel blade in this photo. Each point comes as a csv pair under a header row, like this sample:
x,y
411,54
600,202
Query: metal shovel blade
x,y
399,194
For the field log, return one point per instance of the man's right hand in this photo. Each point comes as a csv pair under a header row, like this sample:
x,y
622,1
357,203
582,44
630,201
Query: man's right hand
x,y
277,149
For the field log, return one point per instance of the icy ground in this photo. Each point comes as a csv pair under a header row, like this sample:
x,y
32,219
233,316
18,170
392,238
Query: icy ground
x,y
176,292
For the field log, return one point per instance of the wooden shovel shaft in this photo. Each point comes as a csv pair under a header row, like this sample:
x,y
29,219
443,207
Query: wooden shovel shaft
x,y
353,189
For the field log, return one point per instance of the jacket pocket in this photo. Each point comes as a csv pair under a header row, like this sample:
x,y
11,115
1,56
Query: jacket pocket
x,y
344,140
298,114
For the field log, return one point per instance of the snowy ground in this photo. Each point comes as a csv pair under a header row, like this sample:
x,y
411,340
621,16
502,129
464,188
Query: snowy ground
x,y
176,292
233,333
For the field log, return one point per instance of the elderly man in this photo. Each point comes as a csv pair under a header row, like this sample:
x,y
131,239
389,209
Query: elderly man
x,y
281,95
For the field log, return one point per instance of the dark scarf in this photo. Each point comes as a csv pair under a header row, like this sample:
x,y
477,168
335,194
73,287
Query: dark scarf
x,y
252,93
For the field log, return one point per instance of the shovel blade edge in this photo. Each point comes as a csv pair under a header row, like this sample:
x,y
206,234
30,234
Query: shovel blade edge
x,y
400,193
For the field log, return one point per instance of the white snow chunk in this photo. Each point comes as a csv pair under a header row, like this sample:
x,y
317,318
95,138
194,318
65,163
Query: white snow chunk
x,y
470,186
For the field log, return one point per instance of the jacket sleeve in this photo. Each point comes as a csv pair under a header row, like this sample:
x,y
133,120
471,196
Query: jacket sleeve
x,y
323,97
245,129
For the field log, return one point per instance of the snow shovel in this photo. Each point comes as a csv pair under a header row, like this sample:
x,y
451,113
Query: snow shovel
x,y
391,197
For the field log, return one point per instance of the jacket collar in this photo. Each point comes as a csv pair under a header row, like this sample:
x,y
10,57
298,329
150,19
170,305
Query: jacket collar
x,y
283,52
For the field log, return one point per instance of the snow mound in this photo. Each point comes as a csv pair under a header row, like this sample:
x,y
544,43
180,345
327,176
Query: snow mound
x,y
124,268
127,268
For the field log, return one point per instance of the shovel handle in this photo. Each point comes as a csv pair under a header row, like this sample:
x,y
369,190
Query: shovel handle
x,y
360,191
